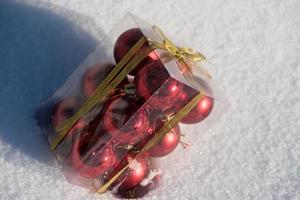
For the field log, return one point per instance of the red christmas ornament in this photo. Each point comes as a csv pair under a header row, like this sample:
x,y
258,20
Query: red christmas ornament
x,y
125,121
200,112
92,156
126,41
153,77
138,169
151,182
202,109
64,110
93,77
168,142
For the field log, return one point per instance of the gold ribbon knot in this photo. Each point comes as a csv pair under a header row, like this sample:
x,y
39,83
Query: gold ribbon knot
x,y
185,57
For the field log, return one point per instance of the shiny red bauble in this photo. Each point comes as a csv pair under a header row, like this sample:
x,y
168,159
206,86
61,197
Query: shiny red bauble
x,y
168,142
126,41
138,169
91,156
125,121
94,76
200,112
203,107
154,81
63,110
150,182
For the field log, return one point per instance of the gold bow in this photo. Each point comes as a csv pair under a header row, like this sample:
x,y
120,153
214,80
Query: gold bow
x,y
186,57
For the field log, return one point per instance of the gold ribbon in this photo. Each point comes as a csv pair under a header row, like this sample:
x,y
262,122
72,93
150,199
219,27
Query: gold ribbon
x,y
186,57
